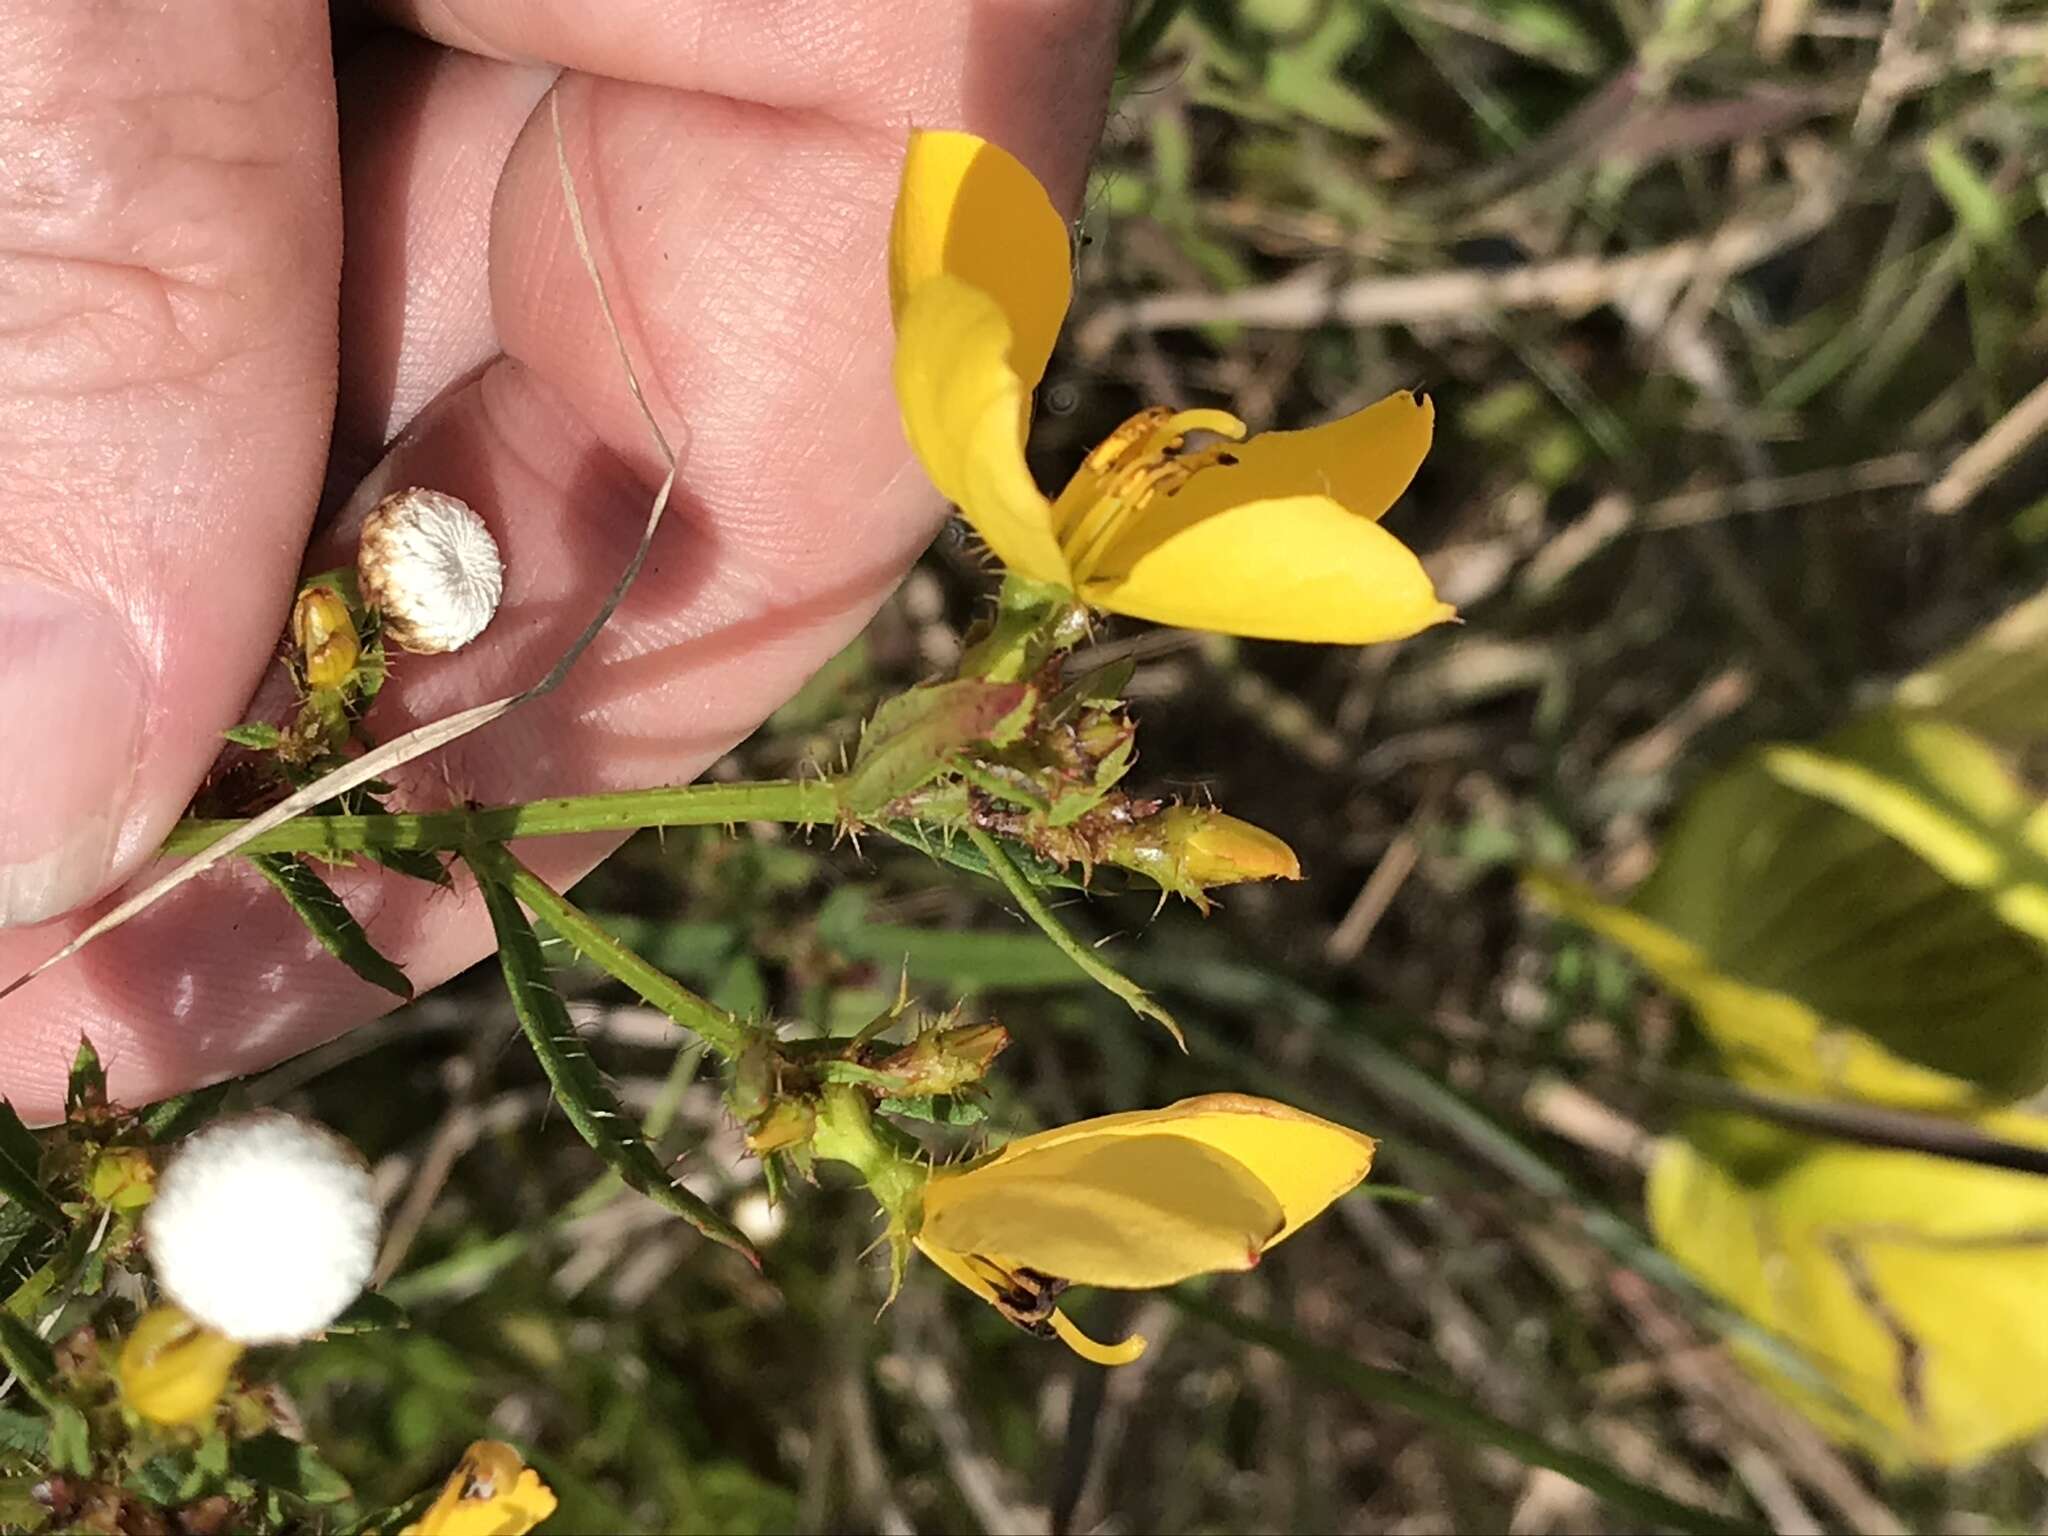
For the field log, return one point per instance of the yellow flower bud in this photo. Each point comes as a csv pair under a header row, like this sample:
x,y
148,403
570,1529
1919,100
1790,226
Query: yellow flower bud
x,y
122,1179
788,1123
1190,849
174,1371
325,635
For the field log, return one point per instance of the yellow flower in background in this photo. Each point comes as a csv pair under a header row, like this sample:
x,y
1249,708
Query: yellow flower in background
x,y
1905,1287
1274,538
1134,1201
172,1369
492,1493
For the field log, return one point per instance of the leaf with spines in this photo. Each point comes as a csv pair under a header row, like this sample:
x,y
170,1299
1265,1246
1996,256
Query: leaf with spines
x,y
25,1353
914,737
330,921
586,1098
257,735
86,1088
20,1165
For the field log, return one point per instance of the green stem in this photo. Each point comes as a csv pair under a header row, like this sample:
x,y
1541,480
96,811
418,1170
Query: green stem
x,y
1103,973
717,1028
796,801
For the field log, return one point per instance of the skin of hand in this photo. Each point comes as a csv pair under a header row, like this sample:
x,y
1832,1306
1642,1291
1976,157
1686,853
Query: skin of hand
x,y
179,334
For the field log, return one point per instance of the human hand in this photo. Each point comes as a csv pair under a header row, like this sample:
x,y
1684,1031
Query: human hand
x,y
174,192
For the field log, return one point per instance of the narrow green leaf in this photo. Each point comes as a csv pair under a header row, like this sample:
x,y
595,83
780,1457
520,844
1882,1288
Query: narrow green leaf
x,y
1457,1417
1143,33
29,1358
272,1461
1979,209
256,734
20,1170
947,847
18,1143
1101,971
371,1312
86,1088
579,1087
590,939
330,922
419,863
70,1440
169,1119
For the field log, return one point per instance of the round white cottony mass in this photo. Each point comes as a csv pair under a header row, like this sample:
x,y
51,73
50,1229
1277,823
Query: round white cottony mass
x,y
263,1227
430,567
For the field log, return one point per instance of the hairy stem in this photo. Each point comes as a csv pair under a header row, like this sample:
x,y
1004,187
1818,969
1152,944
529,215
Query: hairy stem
x,y
799,801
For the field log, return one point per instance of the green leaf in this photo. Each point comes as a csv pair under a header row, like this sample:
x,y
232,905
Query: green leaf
x,y
1996,682
370,1312
1865,918
290,1466
579,1087
419,863
20,1170
1135,997
257,734
947,847
170,1119
1980,211
913,737
24,1434
329,921
18,1143
944,1109
29,1358
86,1088
70,1440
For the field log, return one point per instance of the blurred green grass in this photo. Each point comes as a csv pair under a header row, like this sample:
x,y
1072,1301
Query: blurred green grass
x,y
1709,296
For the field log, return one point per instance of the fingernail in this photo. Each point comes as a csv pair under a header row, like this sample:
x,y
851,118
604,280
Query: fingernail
x,y
71,704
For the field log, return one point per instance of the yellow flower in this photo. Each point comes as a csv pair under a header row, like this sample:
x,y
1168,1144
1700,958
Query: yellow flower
x,y
172,1369
1134,1201
492,1493
1275,538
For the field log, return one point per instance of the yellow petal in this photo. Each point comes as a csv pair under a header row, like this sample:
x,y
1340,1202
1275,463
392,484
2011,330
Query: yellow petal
x,y
1296,568
964,410
172,1369
1121,1353
1126,1211
963,1271
1910,1284
1363,462
492,1493
967,209
1304,1160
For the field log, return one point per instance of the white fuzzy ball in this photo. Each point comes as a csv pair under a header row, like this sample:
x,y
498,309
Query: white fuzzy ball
x,y
263,1227
429,565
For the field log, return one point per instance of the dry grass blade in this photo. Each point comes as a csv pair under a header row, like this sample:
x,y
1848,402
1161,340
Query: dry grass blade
x,y
427,738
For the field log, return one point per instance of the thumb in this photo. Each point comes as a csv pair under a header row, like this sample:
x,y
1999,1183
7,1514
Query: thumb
x,y
169,261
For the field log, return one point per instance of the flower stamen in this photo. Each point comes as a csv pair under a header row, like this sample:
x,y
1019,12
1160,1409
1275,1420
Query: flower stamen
x,y
1141,460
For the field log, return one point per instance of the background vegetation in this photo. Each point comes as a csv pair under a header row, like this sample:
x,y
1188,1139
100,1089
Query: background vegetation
x,y
1710,296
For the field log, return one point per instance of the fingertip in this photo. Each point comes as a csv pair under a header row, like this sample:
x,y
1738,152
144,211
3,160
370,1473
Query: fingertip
x,y
74,695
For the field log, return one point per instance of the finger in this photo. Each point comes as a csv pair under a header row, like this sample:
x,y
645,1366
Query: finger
x,y
424,136
167,345
745,249
895,63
